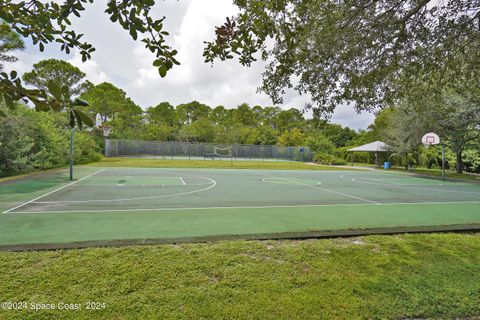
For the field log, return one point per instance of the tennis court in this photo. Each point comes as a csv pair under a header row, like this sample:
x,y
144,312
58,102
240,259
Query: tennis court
x,y
145,205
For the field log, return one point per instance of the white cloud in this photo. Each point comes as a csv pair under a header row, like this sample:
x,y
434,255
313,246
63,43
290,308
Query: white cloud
x,y
346,116
90,67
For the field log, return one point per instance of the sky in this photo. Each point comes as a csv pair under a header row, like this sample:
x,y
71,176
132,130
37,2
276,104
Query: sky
x,y
128,64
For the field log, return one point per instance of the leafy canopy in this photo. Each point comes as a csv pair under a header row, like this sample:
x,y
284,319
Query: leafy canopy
x,y
365,52
60,72
9,41
50,21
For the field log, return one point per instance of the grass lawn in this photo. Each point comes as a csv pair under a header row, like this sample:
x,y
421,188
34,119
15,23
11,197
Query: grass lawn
x,y
222,164
428,172
448,174
403,276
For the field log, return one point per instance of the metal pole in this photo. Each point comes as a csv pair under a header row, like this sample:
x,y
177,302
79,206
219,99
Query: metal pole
x,y
443,162
71,153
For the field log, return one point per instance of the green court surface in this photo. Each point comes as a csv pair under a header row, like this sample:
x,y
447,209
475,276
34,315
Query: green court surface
x,y
145,205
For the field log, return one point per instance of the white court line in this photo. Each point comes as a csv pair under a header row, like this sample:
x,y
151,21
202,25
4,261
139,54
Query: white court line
x,y
46,194
289,180
211,185
182,181
412,186
328,190
347,195
260,207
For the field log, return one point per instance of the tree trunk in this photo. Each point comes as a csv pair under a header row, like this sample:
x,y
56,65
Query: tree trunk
x,y
406,161
459,162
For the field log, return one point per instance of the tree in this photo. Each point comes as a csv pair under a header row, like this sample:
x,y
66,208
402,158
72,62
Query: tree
x,y
105,99
259,115
406,131
192,111
458,122
47,22
320,143
59,91
60,72
289,119
380,127
219,116
453,116
337,134
292,137
9,41
156,132
30,140
15,146
162,114
270,116
263,135
244,115
344,51
203,130
126,122
187,134
237,133
115,109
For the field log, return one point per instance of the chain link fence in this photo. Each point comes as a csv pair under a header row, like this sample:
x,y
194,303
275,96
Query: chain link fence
x,y
195,150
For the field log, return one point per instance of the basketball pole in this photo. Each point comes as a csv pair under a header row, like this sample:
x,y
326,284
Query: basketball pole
x,y
71,153
443,162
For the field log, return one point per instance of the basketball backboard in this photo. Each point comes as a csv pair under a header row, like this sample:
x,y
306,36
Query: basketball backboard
x,y
430,139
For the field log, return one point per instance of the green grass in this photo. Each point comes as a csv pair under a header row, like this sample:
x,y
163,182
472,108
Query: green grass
x,y
30,174
428,172
392,277
448,173
223,164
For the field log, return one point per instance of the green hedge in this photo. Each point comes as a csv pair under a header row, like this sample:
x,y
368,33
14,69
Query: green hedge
x,y
31,140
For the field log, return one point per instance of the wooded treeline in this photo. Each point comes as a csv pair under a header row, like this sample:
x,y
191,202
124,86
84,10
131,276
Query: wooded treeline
x,y
32,140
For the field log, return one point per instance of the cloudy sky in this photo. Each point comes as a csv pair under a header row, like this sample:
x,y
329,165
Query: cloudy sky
x,y
128,65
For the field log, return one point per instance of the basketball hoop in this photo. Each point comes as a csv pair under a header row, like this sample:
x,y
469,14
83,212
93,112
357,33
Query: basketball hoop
x,y
99,124
430,139
106,130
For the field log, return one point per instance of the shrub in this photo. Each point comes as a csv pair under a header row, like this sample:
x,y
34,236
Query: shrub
x,y
31,140
15,146
86,149
328,159
320,143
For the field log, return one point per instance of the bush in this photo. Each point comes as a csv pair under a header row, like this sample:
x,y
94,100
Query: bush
x,y
320,144
86,149
328,159
15,146
48,131
471,160
31,140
